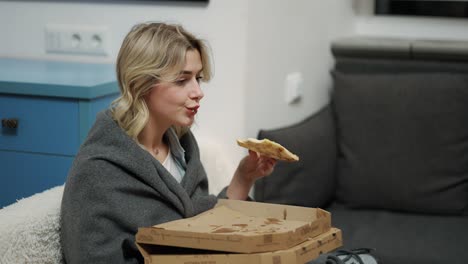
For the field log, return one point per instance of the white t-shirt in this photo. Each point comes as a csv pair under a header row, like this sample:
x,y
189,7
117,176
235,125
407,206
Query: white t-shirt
x,y
174,163
173,167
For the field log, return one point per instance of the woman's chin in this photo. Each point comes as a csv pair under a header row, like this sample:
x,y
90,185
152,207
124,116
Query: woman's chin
x,y
186,123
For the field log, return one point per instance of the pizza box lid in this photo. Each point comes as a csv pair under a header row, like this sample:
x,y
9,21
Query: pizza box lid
x,y
240,226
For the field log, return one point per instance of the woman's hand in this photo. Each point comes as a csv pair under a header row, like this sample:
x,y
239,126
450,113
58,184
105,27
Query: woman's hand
x,y
251,168
255,166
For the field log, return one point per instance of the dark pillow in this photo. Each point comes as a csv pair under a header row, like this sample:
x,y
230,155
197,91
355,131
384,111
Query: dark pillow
x,y
403,141
310,181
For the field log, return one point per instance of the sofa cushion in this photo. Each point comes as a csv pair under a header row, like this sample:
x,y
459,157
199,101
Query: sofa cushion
x,y
403,141
311,180
404,238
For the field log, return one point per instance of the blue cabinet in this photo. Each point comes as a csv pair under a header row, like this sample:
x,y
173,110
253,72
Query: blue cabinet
x,y
46,109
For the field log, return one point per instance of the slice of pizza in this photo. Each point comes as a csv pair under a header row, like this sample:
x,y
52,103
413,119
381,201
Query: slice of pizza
x,y
268,148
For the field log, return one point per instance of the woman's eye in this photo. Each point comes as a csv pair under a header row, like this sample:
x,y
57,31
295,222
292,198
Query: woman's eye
x,y
199,79
181,81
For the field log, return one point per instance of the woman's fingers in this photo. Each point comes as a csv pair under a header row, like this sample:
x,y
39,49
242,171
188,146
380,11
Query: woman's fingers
x,y
268,160
267,165
254,154
261,164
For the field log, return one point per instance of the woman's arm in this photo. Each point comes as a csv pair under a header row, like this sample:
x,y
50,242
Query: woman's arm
x,y
251,168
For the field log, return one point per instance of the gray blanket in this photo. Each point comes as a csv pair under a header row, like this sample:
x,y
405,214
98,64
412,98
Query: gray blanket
x,y
114,187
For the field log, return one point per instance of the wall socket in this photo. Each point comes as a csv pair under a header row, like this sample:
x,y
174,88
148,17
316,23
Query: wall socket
x,y
293,87
77,39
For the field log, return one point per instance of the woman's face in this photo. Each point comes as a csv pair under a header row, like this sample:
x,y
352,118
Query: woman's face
x,y
177,103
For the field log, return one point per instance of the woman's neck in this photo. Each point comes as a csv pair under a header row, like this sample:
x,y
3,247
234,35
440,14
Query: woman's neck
x,y
151,137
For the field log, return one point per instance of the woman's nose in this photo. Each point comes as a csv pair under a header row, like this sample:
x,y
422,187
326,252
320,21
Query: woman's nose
x,y
197,93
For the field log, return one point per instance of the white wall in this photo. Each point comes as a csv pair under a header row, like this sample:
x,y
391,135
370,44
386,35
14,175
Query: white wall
x,y
405,26
284,37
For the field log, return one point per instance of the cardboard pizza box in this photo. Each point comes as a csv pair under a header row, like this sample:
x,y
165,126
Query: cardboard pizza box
x,y
241,227
299,254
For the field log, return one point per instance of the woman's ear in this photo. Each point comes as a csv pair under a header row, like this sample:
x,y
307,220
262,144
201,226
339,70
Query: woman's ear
x,y
147,95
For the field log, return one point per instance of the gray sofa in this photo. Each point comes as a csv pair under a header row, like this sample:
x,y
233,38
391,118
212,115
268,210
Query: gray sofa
x,y
388,157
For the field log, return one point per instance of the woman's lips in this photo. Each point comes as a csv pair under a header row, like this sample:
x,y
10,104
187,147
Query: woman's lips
x,y
193,110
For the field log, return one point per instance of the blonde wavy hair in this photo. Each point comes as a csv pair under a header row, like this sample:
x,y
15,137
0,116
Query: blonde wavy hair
x,y
151,53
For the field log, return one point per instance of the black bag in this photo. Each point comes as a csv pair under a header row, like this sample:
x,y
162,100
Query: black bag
x,y
343,256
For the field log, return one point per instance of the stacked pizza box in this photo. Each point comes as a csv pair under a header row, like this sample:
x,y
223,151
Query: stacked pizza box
x,y
242,232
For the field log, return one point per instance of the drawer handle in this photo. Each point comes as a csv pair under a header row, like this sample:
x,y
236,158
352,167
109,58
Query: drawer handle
x,y
10,122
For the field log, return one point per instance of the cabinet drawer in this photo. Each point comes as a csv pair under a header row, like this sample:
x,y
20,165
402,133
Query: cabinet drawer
x,y
45,125
24,174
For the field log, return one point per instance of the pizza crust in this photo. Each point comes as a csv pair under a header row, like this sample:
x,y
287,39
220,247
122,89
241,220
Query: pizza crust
x,y
268,148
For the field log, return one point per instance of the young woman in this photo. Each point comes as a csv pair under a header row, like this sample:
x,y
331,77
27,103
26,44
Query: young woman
x,y
140,164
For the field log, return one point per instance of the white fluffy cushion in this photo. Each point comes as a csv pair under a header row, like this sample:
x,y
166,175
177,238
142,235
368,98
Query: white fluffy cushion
x,y
29,230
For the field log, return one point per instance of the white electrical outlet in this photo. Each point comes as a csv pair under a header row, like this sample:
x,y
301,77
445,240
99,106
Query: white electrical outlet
x,y
77,39
293,87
